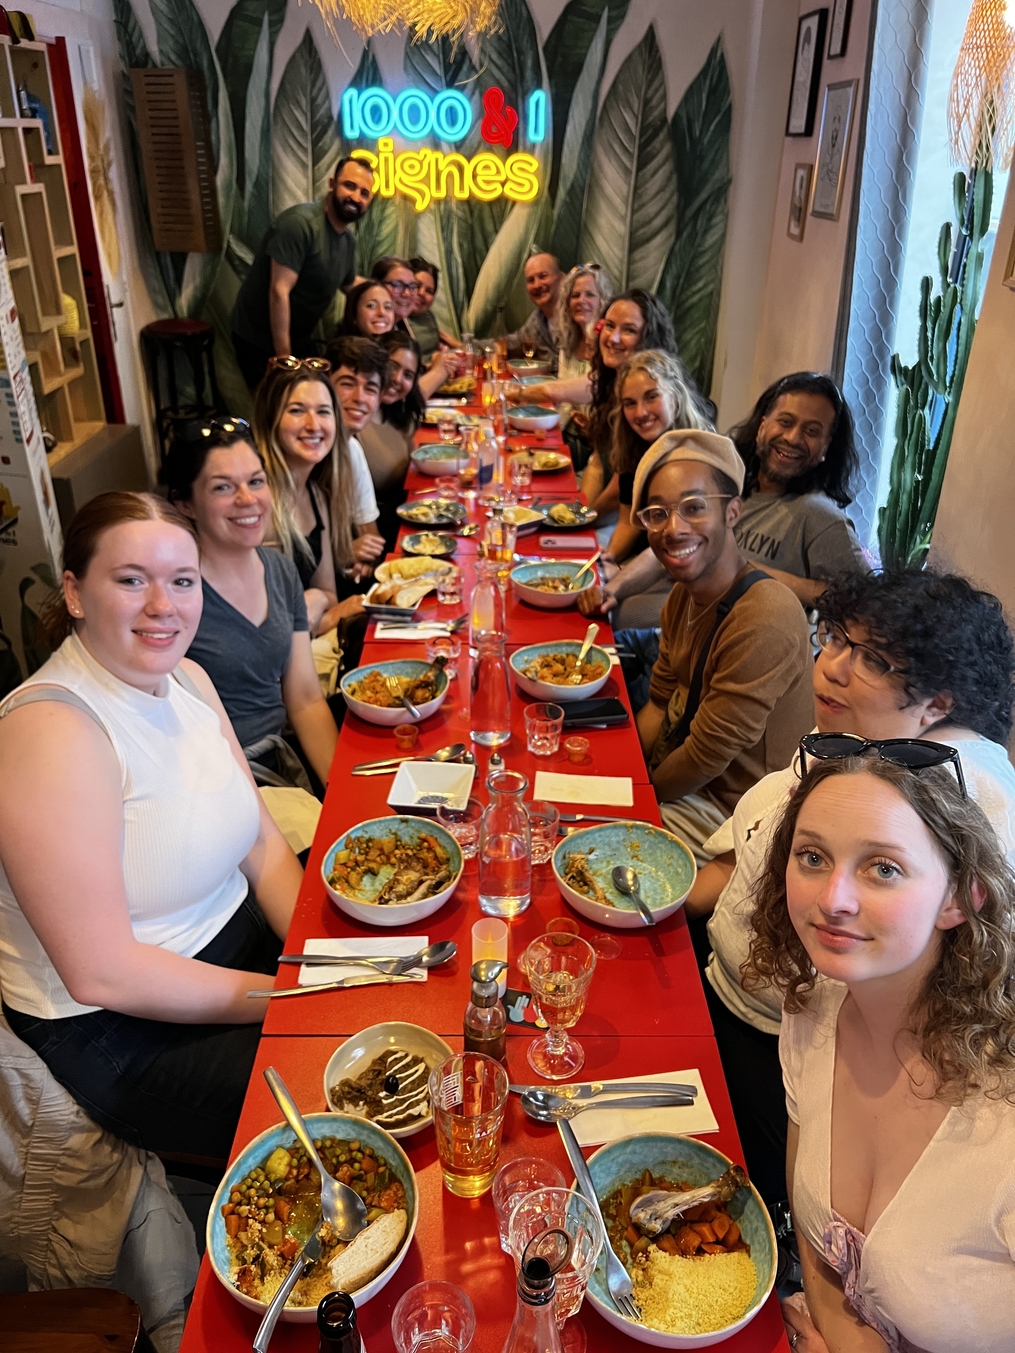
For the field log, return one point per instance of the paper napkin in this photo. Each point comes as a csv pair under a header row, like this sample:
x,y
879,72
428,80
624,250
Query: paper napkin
x,y
615,791
596,1126
401,633
384,945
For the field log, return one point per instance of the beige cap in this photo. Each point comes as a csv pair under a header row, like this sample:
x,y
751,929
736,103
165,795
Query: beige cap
x,y
687,444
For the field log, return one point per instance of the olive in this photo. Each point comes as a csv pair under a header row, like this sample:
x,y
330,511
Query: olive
x,y
391,1085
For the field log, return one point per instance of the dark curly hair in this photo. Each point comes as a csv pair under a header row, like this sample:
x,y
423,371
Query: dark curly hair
x,y
945,635
407,414
837,473
657,333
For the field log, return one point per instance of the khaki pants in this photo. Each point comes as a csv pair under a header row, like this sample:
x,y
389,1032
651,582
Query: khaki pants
x,y
694,818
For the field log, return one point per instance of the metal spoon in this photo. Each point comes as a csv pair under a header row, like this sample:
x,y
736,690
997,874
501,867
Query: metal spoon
x,y
590,638
453,752
584,568
341,1207
625,880
430,957
394,970
546,1107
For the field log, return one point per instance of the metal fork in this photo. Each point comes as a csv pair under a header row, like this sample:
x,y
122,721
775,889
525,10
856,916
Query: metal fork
x,y
618,1280
396,690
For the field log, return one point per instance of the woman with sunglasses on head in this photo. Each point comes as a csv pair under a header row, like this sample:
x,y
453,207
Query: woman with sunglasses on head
x,y
885,920
325,517
144,889
917,656
387,438
253,638
398,276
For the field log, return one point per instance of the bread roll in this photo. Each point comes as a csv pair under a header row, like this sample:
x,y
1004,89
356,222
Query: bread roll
x,y
371,1251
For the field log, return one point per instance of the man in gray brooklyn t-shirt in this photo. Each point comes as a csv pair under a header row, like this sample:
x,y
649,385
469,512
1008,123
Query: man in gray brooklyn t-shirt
x,y
797,446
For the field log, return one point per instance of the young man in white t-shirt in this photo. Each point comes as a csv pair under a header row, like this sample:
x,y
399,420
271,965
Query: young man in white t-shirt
x,y
359,372
905,655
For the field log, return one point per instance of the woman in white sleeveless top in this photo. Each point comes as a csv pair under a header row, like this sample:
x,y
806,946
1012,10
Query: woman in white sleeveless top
x,y
133,845
886,915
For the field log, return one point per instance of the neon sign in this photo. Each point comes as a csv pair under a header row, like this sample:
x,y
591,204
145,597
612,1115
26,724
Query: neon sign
x,y
425,175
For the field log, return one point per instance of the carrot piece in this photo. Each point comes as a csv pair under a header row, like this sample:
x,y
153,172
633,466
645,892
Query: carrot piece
x,y
228,1209
289,1247
709,1248
282,1209
688,1240
233,1224
695,1213
710,1212
732,1235
721,1223
668,1244
704,1229
632,1236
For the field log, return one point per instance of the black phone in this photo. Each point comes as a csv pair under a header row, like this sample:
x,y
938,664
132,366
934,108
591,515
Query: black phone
x,y
595,713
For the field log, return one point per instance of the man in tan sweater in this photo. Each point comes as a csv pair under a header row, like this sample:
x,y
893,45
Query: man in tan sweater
x,y
754,700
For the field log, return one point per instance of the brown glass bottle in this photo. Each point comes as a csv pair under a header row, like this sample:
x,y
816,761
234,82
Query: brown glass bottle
x,y
336,1323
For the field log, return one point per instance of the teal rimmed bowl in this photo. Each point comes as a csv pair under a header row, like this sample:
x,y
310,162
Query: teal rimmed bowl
x,y
409,829
549,690
663,863
684,1158
401,667
524,575
436,458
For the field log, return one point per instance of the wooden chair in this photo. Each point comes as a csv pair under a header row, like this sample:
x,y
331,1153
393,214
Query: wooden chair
x,y
74,1320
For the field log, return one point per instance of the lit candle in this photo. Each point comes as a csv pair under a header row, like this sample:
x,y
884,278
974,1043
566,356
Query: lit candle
x,y
490,940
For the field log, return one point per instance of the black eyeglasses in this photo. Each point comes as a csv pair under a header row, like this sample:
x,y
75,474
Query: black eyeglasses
x,y
400,288
911,753
319,364
869,665
224,429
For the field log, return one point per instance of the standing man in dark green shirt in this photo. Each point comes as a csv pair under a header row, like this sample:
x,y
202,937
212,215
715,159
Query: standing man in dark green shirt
x,y
306,256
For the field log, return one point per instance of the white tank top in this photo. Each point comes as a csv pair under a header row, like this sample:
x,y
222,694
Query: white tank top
x,y
190,816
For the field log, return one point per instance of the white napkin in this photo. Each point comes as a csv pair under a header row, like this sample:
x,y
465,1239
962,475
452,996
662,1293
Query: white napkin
x,y
371,947
403,632
596,1126
617,791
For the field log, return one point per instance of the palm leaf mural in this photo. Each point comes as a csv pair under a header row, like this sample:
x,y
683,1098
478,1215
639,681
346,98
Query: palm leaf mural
x,y
576,151
566,55
377,232
692,278
629,222
183,41
503,264
304,139
510,59
237,52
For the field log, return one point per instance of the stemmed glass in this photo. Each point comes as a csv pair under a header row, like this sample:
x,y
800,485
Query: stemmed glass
x,y
559,967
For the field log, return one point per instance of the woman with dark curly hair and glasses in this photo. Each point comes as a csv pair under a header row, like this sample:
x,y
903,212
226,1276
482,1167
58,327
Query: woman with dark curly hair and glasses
x,y
914,655
144,888
885,920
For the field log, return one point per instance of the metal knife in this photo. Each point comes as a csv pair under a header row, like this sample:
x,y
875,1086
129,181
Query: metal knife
x,y
310,1254
325,960
595,1088
377,978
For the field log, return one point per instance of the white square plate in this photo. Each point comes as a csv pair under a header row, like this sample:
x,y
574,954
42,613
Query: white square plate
x,y
421,786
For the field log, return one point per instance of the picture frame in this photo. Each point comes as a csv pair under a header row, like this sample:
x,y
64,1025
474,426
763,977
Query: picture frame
x,y
1008,279
833,147
799,198
838,28
803,94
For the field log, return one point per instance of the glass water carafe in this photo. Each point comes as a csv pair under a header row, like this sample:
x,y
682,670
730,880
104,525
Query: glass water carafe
x,y
490,708
486,612
505,847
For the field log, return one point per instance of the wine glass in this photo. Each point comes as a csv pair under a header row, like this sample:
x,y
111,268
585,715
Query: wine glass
x,y
529,348
559,968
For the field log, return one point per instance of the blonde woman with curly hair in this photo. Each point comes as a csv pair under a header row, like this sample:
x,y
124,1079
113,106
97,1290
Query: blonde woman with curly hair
x,y
324,507
886,916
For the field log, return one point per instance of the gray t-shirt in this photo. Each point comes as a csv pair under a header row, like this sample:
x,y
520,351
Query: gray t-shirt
x,y
805,534
538,331
246,662
303,239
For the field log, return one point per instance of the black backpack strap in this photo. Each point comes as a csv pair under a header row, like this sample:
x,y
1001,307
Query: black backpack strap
x,y
731,598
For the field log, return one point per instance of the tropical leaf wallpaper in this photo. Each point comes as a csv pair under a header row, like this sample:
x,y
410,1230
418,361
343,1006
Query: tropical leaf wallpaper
x,y
621,184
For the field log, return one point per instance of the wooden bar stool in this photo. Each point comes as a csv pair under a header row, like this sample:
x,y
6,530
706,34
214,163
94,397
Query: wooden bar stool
x,y
73,1320
163,342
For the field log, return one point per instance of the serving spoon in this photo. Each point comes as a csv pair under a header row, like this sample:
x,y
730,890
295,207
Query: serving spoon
x,y
625,880
546,1107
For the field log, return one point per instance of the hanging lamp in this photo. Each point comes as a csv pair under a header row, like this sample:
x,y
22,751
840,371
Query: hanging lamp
x,y
981,102
424,20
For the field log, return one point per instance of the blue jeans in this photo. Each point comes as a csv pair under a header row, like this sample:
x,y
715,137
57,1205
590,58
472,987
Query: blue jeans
x,y
172,1088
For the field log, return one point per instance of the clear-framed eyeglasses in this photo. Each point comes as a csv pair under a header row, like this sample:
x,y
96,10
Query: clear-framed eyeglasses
x,y
693,507
868,665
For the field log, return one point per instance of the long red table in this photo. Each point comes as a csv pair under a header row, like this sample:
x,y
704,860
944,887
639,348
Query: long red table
x,y
646,1011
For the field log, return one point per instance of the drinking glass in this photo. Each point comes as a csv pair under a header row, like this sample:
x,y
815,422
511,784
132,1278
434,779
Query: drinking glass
x,y
521,477
447,486
544,819
468,1091
499,540
529,348
449,587
505,847
432,1316
559,968
488,394
514,1181
569,1211
447,426
543,723
448,647
463,824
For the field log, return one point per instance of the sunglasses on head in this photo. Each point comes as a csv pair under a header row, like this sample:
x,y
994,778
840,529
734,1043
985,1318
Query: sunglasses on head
x,y
226,429
911,753
320,364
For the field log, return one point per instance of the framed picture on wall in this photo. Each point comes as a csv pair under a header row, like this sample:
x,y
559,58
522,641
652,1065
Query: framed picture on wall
x,y
833,145
803,97
838,29
798,199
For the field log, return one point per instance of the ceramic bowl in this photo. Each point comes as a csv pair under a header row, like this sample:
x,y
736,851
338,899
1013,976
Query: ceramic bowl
x,y
388,718
433,512
528,366
526,519
663,863
352,1058
257,1152
546,690
525,574
437,459
683,1158
410,829
533,418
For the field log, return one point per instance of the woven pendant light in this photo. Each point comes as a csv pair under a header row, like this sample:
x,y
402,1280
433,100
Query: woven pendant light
x,y
981,102
423,19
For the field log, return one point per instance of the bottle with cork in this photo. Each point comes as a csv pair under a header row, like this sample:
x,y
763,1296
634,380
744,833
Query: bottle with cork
x,y
485,1025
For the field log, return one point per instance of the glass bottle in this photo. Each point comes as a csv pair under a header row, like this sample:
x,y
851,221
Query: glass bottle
x,y
486,611
336,1324
468,355
490,712
469,472
486,449
499,540
534,1329
485,1024
505,847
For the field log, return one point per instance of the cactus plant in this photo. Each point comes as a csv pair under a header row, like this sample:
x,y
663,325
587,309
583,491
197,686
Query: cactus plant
x,y
929,390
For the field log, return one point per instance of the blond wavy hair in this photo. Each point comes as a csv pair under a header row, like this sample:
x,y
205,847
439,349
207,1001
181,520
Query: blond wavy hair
x,y
964,1017
668,373
569,331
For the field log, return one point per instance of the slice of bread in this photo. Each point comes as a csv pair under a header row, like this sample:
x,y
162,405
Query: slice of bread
x,y
371,1251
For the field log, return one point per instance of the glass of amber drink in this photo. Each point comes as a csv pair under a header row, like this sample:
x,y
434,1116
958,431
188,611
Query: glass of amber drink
x,y
469,1092
559,968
